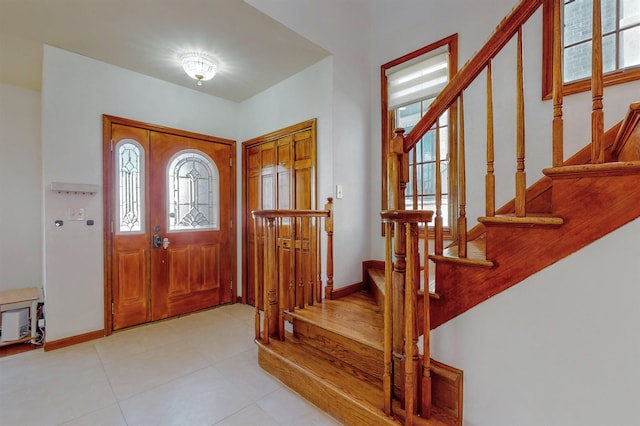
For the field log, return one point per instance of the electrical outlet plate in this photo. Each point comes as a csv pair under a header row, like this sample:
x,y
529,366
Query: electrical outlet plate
x,y
76,213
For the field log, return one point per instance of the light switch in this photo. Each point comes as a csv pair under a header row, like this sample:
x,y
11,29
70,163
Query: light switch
x,y
76,214
339,191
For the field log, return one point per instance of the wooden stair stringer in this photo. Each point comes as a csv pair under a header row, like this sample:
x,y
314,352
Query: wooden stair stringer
x,y
591,205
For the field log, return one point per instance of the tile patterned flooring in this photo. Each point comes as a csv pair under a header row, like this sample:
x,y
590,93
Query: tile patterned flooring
x,y
199,369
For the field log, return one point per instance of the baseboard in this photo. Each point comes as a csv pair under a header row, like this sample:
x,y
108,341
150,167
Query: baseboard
x,y
239,299
73,340
345,291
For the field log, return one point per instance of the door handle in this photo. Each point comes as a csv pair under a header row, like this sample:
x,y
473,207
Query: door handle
x,y
158,242
165,243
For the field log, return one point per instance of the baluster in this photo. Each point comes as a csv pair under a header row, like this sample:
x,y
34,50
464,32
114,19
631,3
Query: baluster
x,y
270,281
256,275
439,237
490,178
317,267
308,264
387,380
292,266
414,181
409,346
521,178
426,348
462,218
328,226
597,115
558,126
281,302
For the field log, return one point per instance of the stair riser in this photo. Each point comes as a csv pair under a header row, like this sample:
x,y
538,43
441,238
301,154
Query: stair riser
x,y
320,393
354,353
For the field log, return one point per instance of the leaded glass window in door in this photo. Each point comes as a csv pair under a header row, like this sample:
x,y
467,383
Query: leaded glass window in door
x,y
130,186
193,192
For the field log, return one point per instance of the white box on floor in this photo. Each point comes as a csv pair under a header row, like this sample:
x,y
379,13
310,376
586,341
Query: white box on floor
x,y
15,324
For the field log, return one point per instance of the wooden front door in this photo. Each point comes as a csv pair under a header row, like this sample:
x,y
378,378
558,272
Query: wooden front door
x,y
171,247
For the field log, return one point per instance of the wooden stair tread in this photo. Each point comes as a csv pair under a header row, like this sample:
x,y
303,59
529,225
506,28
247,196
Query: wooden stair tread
x,y
378,276
594,170
529,220
476,254
356,316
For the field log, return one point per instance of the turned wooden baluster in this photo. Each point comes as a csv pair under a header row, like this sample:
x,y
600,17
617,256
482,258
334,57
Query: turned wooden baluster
x,y
270,281
318,263
490,178
256,274
521,177
387,379
462,219
291,284
410,350
425,408
558,126
328,227
439,233
597,115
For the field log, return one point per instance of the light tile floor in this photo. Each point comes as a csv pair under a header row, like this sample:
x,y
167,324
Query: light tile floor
x,y
199,369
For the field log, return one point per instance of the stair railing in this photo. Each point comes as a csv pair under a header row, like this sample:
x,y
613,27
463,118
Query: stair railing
x,y
288,264
452,97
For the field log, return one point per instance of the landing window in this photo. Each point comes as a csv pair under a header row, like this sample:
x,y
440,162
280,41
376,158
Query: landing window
x,y
620,43
409,85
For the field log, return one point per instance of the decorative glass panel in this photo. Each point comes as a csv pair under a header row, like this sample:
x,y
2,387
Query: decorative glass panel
x,y
130,187
193,192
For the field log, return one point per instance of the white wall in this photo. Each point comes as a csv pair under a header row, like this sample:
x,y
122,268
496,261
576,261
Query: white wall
x,y
20,193
561,348
76,91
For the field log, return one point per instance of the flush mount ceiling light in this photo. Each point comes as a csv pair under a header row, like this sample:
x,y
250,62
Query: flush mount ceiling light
x,y
199,66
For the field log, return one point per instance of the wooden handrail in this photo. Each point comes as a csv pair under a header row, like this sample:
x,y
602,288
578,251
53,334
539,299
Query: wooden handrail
x,y
501,36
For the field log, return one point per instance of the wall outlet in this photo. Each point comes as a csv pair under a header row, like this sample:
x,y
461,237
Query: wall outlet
x,y
76,214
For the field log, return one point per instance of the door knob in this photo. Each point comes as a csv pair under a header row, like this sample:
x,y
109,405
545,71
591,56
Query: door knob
x,y
157,241
165,243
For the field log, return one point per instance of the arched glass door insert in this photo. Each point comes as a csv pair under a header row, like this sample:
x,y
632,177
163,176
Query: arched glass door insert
x,y
193,192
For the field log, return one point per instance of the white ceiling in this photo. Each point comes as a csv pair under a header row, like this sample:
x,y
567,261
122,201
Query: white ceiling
x,y
147,36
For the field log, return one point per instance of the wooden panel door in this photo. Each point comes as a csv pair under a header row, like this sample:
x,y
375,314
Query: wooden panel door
x,y
191,221
169,197
279,173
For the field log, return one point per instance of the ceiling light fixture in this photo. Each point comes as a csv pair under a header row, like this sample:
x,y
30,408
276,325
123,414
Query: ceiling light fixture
x,y
199,66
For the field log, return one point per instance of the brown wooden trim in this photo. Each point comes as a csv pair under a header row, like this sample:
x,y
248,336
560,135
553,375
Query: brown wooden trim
x,y
108,200
347,290
73,340
610,79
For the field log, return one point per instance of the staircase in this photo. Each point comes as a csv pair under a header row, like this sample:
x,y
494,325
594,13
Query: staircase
x,y
360,357
334,358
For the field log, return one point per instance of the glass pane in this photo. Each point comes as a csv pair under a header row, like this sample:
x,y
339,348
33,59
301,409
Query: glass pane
x,y
577,62
129,186
578,16
630,47
608,16
629,13
608,53
193,189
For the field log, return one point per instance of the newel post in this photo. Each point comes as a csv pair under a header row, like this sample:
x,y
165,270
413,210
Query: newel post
x,y
397,172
